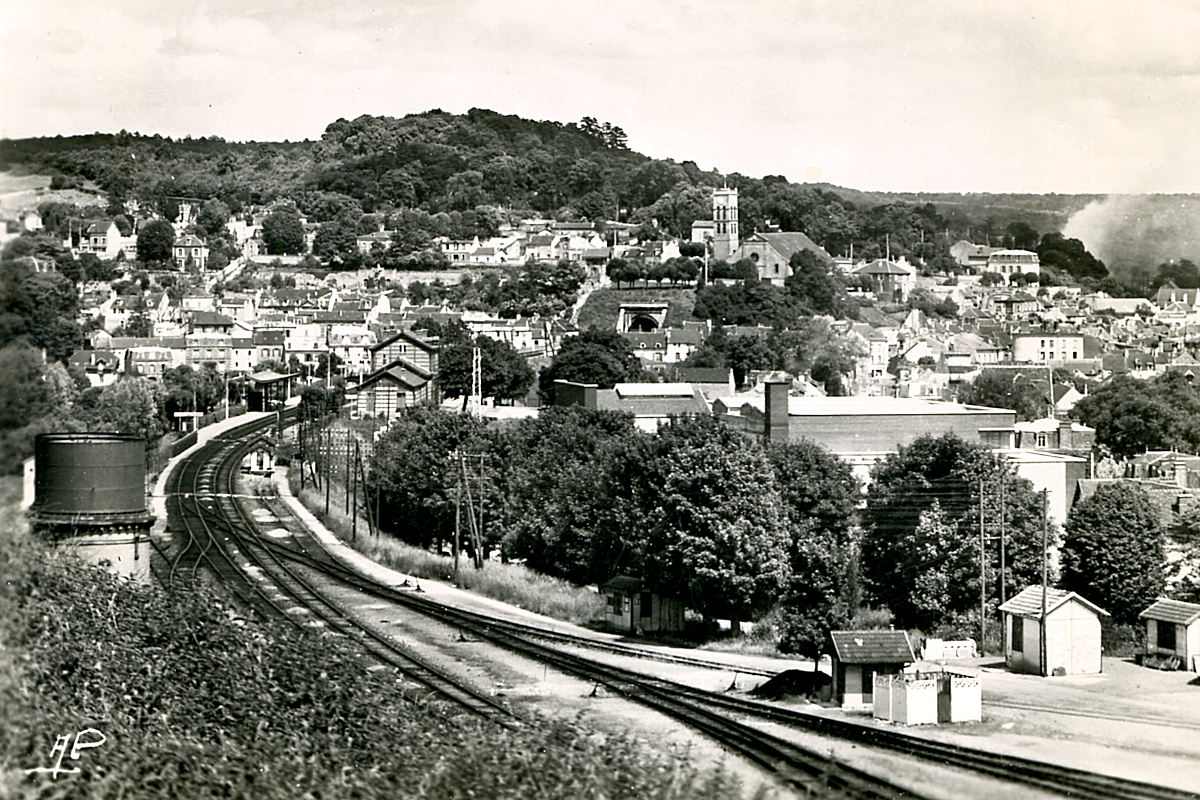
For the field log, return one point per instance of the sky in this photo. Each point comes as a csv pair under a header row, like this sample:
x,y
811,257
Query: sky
x,y
924,95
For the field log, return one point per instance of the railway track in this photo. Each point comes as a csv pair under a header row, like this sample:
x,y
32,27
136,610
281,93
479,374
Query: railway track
x,y
1055,778
215,524
715,713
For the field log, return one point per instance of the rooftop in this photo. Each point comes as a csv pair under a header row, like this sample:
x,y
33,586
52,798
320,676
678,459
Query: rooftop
x,y
1029,602
872,647
1176,611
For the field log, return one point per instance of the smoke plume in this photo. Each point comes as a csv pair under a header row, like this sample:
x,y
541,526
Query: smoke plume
x,y
1133,234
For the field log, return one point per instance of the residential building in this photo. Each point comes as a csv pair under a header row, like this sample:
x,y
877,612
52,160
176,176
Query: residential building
x,y
1013,262
190,252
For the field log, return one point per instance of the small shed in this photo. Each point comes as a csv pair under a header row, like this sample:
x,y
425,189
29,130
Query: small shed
x,y
631,609
1173,632
1072,633
260,459
858,656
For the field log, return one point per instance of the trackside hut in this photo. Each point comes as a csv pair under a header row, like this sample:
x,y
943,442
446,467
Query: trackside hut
x,y
1072,633
636,611
858,656
1173,631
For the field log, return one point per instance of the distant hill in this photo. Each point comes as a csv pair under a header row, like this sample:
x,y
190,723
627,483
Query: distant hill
x,y
465,173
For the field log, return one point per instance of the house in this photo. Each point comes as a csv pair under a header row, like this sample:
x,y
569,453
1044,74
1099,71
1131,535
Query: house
x,y
1072,636
967,254
651,404
260,460
393,388
1010,305
1043,346
630,609
772,253
102,239
861,430
209,322
1173,633
190,252
890,282
858,656
1008,263
378,241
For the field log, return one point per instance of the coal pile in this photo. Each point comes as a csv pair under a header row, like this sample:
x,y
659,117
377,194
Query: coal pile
x,y
792,683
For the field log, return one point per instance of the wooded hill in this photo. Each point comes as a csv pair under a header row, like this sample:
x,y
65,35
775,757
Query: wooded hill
x,y
486,165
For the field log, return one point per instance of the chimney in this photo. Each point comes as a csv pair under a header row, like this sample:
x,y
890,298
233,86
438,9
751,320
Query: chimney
x,y
775,393
1181,475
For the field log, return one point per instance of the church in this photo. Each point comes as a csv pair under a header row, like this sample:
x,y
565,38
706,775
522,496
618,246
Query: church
x,y
770,252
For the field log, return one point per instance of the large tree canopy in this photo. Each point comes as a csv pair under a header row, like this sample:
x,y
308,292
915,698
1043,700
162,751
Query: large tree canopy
x,y
920,552
595,356
1113,551
155,241
1131,416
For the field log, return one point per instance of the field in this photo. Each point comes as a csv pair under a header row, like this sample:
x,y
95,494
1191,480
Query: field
x,y
21,192
601,307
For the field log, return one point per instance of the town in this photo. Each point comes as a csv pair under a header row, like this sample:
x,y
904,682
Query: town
x,y
903,450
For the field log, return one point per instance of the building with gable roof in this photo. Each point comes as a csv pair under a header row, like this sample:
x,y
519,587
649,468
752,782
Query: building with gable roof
x,y
190,251
1173,633
1072,633
858,656
772,253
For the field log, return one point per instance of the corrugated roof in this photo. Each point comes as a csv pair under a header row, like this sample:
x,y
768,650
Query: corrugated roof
x,y
872,647
1029,602
1169,610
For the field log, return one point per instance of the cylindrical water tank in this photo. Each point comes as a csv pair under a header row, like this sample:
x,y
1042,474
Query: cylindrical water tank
x,y
89,478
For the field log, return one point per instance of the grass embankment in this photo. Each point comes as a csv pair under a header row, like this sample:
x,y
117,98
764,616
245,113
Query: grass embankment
x,y
194,702
602,305
510,583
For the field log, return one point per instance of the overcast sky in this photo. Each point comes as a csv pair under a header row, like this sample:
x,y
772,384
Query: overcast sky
x,y
1020,95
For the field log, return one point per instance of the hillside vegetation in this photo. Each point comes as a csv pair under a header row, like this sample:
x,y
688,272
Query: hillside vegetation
x,y
196,703
600,309
437,173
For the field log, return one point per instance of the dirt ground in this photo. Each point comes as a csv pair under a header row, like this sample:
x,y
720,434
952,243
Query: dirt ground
x,y
530,685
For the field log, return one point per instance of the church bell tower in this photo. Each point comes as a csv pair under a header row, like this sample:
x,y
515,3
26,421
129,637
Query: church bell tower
x,y
725,222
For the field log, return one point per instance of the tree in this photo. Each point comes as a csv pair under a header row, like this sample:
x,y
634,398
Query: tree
x,y
128,406
414,474
1003,389
506,375
1113,553
155,242
567,512
1131,416
713,531
283,233
819,495
817,288
595,356
213,217
910,549
746,353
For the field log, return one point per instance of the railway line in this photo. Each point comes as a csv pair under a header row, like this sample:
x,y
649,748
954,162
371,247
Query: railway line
x,y
214,525
207,512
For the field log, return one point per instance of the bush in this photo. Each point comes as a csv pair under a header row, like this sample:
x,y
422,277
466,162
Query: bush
x,y
194,702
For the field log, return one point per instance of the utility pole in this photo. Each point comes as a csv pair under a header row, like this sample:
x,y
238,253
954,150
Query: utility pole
x,y
1045,543
1003,533
354,500
346,483
457,522
327,463
982,573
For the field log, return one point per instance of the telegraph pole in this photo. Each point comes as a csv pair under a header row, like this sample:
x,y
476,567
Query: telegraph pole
x,y
1045,543
1003,531
354,500
327,463
346,483
982,573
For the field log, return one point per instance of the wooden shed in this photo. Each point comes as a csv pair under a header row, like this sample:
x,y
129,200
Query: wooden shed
x,y
629,609
1072,633
1173,632
858,656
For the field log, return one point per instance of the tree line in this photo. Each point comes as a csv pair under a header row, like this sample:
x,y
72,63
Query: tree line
x,y
733,527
